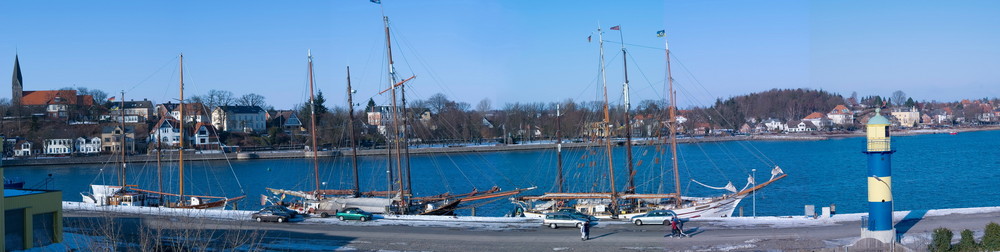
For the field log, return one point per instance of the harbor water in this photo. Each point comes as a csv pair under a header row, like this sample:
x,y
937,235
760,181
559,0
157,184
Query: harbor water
x,y
929,172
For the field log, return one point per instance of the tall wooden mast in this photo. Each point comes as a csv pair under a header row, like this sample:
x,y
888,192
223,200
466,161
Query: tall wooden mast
x,y
404,204
121,112
673,128
350,130
180,155
630,186
312,124
607,130
559,162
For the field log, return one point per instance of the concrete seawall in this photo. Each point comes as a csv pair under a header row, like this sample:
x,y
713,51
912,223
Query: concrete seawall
x,y
195,156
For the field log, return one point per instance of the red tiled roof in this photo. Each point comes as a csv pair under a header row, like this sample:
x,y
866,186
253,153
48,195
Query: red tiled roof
x,y
840,110
814,115
46,97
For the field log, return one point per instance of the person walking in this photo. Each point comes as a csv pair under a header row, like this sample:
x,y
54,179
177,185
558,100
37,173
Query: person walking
x,y
674,230
585,231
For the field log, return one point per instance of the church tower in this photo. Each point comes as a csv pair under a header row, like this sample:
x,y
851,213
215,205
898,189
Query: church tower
x,y
16,84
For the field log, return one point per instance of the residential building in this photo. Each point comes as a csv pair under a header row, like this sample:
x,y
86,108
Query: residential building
x,y
288,120
247,119
801,126
166,133
24,149
205,137
88,146
907,117
111,139
841,115
131,112
818,120
58,146
774,125
381,117
193,112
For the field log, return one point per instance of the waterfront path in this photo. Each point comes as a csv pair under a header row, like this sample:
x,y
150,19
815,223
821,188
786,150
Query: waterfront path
x,y
723,234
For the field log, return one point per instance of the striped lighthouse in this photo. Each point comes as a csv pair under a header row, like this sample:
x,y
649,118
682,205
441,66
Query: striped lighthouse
x,y
879,178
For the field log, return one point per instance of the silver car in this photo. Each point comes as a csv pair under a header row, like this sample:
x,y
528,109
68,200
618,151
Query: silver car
x,y
556,220
654,217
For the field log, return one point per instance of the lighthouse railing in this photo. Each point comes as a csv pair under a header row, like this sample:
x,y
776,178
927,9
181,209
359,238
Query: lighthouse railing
x,y
879,144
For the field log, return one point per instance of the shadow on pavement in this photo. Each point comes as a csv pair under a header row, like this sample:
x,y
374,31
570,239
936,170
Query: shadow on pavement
x,y
909,221
603,235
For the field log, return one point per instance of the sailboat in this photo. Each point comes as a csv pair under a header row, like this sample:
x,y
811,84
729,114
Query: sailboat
x,y
131,195
614,205
398,198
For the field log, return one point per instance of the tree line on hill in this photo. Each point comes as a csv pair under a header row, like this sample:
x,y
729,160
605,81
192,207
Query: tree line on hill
x,y
439,119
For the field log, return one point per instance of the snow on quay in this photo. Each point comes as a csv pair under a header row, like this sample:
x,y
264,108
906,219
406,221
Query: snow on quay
x,y
505,223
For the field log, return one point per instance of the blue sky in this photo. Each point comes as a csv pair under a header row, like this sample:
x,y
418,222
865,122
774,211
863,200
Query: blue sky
x,y
506,51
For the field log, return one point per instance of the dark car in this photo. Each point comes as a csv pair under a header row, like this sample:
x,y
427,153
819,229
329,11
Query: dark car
x,y
353,213
269,215
279,208
577,214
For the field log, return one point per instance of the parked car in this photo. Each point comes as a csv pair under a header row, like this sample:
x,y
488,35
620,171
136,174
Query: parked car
x,y
279,208
577,214
654,217
353,213
556,220
269,215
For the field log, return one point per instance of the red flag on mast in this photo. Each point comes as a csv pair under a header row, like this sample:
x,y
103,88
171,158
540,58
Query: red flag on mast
x,y
616,28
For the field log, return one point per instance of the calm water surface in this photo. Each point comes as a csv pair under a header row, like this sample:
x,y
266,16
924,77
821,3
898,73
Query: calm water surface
x,y
929,172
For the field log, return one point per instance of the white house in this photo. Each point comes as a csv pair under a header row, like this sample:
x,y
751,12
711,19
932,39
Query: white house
x,y
58,146
774,125
246,119
818,120
800,126
841,115
193,112
166,132
88,146
23,149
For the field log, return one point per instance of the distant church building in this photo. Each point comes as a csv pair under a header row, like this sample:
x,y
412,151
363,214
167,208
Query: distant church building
x,y
15,85
57,103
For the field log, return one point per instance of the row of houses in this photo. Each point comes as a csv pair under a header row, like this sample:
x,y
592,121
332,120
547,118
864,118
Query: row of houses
x,y
246,119
114,139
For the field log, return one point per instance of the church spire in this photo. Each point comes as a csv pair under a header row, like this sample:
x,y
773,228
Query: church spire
x,y
16,85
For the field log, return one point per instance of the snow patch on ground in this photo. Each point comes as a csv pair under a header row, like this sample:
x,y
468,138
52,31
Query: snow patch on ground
x,y
734,247
508,223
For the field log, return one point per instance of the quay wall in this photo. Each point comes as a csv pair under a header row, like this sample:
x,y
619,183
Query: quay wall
x,y
196,156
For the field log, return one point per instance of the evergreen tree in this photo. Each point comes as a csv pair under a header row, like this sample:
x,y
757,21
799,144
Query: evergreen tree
x,y
320,108
371,105
967,242
941,240
991,240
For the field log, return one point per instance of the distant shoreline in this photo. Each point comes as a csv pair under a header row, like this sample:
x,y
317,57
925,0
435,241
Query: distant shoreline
x,y
458,148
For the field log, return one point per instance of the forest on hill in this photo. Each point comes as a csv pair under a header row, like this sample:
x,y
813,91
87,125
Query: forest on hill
x,y
784,104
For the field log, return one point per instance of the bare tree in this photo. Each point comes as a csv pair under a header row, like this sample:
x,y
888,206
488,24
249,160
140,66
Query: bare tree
x,y
251,99
484,106
216,98
898,97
